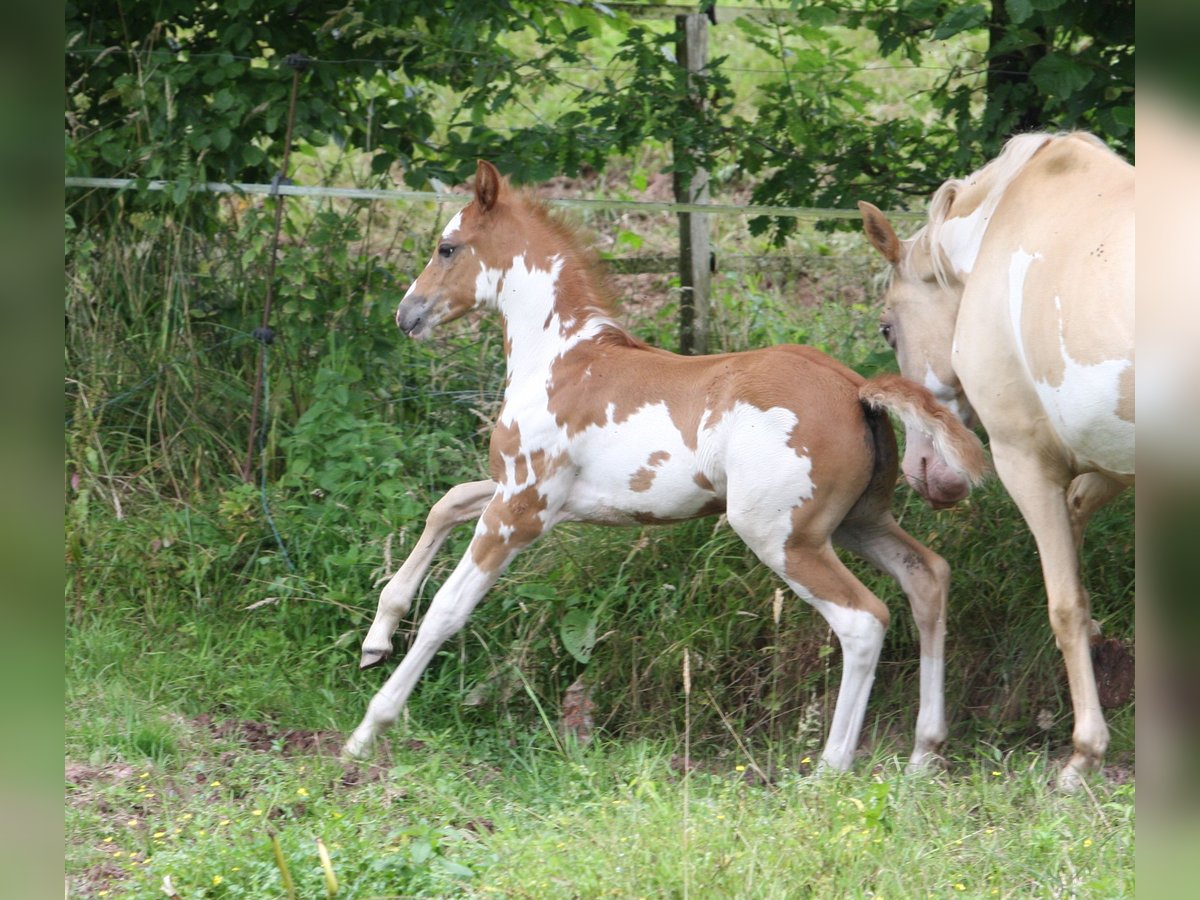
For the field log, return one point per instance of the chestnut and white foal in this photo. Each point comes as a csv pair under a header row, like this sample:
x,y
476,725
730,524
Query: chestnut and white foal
x,y
598,427
1014,303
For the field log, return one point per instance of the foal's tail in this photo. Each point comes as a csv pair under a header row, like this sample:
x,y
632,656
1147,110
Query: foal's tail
x,y
918,409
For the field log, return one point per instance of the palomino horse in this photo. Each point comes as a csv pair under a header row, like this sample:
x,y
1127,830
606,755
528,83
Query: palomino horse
x,y
596,426
1014,303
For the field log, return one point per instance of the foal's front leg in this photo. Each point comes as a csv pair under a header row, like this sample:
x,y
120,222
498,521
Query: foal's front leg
x,y
489,554
461,503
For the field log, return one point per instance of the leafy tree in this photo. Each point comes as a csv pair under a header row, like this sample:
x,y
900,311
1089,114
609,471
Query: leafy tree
x,y
193,92
1049,64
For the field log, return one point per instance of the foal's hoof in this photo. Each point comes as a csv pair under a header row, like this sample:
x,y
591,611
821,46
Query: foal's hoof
x,y
356,750
372,658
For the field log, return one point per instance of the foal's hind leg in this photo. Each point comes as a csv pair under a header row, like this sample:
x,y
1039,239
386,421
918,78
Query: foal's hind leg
x,y
461,503
859,619
925,578
810,567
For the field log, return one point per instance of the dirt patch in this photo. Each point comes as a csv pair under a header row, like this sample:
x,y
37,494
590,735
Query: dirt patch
x,y
287,741
1114,667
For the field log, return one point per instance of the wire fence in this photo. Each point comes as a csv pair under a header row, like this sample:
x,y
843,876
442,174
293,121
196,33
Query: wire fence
x,y
589,203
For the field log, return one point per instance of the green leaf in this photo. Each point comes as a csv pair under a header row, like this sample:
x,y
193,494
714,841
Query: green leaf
x,y
962,18
1058,75
458,870
578,633
1018,10
535,591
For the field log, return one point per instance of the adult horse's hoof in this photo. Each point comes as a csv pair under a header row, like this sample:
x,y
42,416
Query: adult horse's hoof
x,y
1074,773
1069,781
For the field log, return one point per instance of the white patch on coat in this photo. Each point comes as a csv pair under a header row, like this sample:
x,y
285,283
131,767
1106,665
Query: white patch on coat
x,y
1083,409
1018,268
536,341
487,285
942,392
961,237
453,225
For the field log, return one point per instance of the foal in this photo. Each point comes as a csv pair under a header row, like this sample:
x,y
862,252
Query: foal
x,y
596,426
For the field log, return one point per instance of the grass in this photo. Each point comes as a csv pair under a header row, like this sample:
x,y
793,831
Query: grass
x,y
508,814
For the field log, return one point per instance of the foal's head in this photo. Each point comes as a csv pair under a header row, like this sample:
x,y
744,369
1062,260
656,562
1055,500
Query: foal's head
x,y
482,239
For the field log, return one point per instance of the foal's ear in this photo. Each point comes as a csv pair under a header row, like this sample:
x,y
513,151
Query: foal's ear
x,y
488,183
879,232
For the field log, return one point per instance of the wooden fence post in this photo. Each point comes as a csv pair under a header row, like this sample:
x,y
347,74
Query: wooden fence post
x,y
694,246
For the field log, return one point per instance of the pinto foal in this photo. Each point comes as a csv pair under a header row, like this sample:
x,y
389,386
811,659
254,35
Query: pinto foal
x,y
596,426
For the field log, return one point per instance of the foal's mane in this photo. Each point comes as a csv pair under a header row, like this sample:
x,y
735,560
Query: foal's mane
x,y
587,276
998,173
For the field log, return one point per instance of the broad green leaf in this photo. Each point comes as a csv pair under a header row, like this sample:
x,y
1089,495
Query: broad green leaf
x,y
1018,10
962,18
578,633
1059,76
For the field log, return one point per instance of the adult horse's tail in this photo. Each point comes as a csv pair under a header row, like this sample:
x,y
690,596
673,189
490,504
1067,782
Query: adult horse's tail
x,y
959,456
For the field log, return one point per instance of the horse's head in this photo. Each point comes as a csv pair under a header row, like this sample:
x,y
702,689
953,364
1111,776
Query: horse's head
x,y
920,308
465,268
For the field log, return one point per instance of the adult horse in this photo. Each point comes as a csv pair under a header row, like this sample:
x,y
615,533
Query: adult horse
x,y
596,426
1014,303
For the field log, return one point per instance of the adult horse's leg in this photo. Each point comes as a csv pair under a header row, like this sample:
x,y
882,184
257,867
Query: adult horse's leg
x,y
1041,496
461,503
485,560
925,578
1088,493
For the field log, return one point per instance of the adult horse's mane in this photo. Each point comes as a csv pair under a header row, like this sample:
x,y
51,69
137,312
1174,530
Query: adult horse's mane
x,y
999,173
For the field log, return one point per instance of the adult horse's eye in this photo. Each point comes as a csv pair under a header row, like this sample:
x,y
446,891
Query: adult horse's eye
x,y
445,251
885,328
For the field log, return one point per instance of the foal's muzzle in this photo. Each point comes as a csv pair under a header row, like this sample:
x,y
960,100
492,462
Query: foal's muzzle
x,y
413,316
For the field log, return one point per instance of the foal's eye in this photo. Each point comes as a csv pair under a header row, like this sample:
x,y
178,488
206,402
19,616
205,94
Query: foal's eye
x,y
445,251
885,328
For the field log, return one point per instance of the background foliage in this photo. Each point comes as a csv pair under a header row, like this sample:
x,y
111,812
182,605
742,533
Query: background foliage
x,y
200,92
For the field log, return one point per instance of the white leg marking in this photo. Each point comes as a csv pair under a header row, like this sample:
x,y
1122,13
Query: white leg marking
x,y
861,637
461,503
447,614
